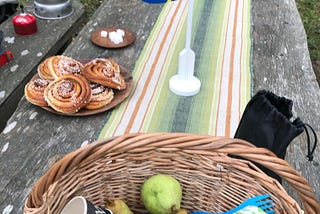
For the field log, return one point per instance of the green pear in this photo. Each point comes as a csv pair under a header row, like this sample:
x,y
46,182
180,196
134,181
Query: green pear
x,y
161,194
118,206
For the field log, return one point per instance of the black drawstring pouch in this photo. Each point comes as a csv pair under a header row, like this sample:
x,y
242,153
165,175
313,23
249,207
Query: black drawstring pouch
x,y
267,123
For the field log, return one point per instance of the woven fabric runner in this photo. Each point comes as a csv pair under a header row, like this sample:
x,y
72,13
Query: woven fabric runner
x,y
221,40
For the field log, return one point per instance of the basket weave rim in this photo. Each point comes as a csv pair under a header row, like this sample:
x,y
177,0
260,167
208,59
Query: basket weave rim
x,y
130,143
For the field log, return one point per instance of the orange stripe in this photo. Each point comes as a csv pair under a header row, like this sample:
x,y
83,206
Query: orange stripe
x,y
166,57
232,59
151,73
222,68
144,66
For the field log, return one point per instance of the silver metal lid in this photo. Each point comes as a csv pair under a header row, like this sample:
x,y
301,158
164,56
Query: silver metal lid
x,y
53,9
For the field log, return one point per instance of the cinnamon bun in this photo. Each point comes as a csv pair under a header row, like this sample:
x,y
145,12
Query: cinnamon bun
x,y
68,94
44,72
34,91
105,72
55,66
100,96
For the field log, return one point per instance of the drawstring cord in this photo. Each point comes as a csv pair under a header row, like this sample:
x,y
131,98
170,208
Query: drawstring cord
x,y
310,151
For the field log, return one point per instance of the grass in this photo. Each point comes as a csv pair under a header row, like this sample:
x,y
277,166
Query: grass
x,y
310,15
91,5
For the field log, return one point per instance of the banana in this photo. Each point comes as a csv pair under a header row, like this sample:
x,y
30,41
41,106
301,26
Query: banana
x,y
118,206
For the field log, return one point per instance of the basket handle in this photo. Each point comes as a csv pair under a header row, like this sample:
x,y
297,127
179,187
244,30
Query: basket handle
x,y
279,166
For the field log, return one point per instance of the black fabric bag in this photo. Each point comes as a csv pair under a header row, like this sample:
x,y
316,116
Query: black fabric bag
x,y
267,123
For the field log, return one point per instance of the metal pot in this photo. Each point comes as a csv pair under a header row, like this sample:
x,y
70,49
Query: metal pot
x,y
50,1
53,9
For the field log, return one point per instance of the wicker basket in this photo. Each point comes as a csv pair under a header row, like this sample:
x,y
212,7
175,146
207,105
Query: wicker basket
x,y
210,178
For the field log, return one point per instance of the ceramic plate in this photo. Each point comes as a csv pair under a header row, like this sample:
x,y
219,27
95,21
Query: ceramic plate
x,y
97,39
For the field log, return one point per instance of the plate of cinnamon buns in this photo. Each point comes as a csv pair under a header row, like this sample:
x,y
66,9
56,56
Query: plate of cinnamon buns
x,y
67,86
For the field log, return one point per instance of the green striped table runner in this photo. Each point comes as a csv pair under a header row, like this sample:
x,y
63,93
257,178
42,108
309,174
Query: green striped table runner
x,y
222,41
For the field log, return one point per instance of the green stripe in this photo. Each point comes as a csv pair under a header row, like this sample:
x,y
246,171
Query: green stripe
x,y
247,69
201,18
209,72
